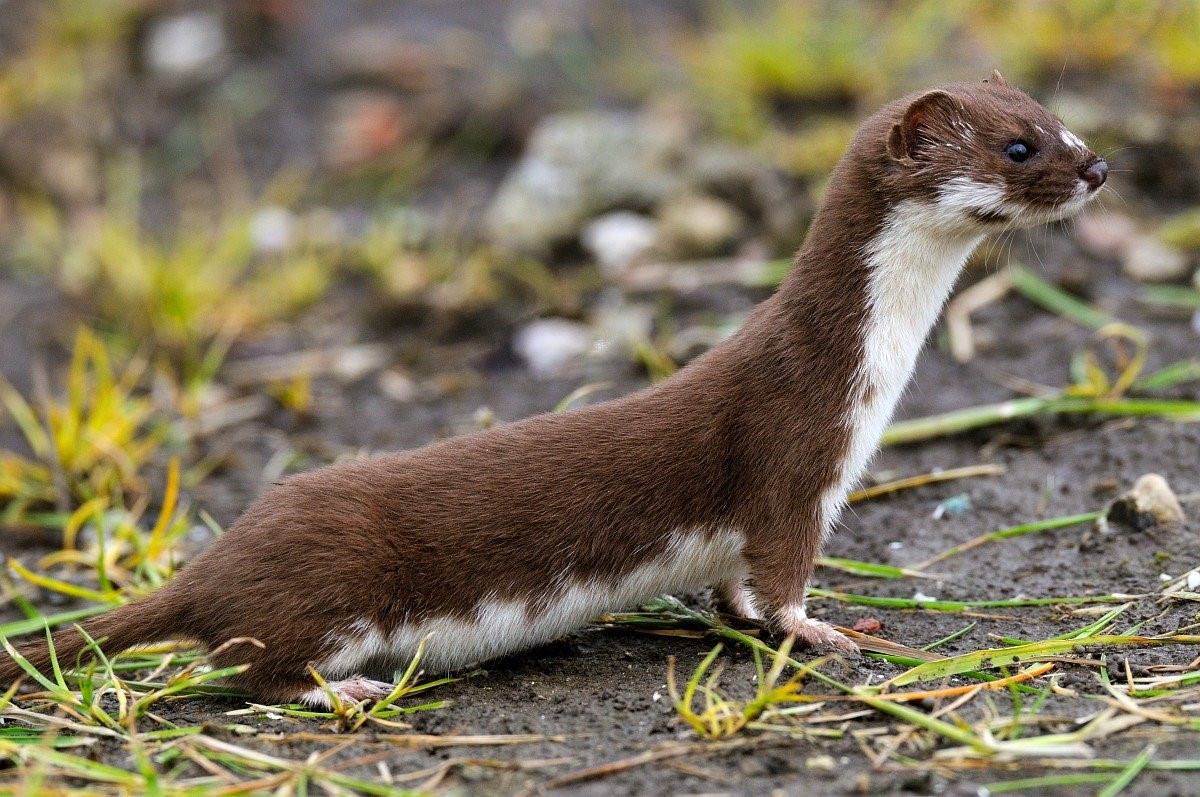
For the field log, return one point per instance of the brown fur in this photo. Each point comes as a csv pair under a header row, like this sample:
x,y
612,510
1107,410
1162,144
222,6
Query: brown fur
x,y
749,436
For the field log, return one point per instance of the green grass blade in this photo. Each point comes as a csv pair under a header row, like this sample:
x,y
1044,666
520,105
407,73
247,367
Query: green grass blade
x,y
957,421
1020,530
1004,657
1128,775
962,632
960,606
868,569
1046,782
1056,300
1174,374
1171,296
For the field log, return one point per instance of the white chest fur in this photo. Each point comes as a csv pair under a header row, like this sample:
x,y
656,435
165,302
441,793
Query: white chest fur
x,y
913,264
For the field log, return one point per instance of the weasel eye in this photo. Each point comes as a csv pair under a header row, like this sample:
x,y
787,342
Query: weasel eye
x,y
1018,151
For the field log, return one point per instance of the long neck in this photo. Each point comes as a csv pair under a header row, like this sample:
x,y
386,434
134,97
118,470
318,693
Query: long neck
x,y
912,265
869,283
867,286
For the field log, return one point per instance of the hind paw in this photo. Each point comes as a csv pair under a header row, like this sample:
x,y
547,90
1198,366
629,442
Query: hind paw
x,y
349,690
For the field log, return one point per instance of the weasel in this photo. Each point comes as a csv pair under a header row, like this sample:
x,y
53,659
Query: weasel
x,y
730,473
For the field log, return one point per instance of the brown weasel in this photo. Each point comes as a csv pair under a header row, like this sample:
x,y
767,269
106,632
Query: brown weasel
x,y
729,473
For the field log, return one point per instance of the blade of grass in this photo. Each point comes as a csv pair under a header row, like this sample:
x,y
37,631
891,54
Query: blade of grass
x,y
1003,657
1128,775
156,541
1056,300
22,627
1174,374
80,767
1171,296
909,482
960,606
869,569
1091,629
957,421
962,632
63,587
1045,782
1012,531
954,691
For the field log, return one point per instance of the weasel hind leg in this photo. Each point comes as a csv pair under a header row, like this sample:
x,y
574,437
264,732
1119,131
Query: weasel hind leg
x,y
736,597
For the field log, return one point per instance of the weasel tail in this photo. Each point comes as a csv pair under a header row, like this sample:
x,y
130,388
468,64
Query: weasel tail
x,y
151,619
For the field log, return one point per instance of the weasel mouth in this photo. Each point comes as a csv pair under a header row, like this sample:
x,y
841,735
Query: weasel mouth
x,y
990,216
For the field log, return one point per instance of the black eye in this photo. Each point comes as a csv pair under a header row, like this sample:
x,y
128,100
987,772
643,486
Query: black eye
x,y
1018,151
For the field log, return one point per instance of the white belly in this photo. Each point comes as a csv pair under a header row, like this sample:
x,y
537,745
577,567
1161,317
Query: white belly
x,y
692,560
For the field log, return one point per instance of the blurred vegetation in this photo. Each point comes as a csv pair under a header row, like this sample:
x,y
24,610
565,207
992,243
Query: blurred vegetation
x,y
753,65
72,48
90,444
784,78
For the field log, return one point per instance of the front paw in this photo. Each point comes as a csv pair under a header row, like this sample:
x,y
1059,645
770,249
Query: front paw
x,y
814,633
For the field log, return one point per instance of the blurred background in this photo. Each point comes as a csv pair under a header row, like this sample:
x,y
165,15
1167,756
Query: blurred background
x,y
274,232
242,239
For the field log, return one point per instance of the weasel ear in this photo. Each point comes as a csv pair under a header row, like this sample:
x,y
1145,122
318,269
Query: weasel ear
x,y
935,110
996,79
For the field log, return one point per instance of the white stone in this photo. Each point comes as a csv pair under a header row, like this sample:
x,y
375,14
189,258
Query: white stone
x,y
549,344
272,229
618,239
1152,495
186,48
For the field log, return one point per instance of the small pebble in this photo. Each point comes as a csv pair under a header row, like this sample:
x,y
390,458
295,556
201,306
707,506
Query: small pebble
x,y
1147,259
272,230
397,385
618,239
696,225
187,48
549,344
867,625
954,505
1150,503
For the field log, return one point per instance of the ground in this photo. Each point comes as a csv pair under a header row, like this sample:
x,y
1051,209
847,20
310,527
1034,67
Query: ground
x,y
351,338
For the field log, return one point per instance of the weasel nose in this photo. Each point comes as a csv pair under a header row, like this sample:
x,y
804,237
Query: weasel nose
x,y
1096,173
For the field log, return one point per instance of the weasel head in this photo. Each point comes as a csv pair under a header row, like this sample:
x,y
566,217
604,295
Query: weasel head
x,y
985,156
